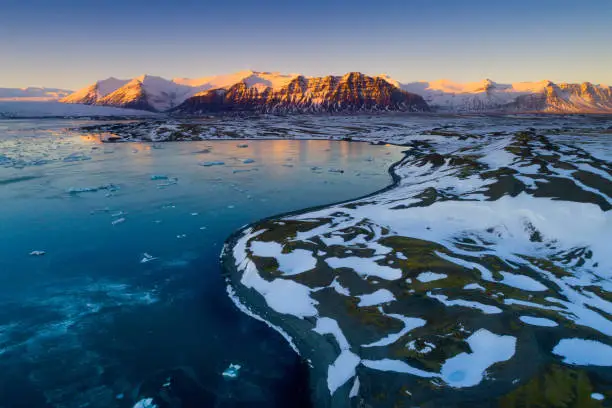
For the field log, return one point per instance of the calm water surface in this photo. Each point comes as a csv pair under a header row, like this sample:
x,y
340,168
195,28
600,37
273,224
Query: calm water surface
x,y
89,324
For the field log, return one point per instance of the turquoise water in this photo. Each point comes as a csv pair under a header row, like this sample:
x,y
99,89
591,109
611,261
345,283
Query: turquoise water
x,y
88,323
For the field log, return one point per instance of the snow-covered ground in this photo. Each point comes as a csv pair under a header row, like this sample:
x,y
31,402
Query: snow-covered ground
x,y
41,109
486,264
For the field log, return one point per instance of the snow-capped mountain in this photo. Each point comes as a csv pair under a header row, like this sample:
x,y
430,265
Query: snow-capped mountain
x,y
154,93
91,94
276,92
489,96
351,92
145,92
32,94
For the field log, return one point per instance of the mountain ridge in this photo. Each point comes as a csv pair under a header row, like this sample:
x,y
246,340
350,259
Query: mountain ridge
x,y
277,92
352,92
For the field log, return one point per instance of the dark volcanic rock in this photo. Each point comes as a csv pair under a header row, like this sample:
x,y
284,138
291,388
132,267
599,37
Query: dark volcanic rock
x,y
354,92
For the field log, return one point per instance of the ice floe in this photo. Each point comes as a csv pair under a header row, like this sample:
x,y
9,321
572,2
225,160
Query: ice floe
x,y
145,403
212,163
147,258
231,371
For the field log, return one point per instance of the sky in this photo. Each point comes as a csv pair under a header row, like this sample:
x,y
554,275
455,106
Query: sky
x,y
72,43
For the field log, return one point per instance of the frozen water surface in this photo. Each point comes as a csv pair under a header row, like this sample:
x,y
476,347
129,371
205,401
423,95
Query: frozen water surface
x,y
118,305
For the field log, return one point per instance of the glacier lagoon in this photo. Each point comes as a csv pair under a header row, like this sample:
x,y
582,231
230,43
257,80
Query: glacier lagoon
x,y
480,279
110,285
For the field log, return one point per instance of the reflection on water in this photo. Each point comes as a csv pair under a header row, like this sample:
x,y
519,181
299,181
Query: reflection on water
x,y
89,323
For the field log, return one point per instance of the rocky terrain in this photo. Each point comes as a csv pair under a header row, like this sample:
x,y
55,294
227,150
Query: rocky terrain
x,y
481,279
273,92
521,97
353,92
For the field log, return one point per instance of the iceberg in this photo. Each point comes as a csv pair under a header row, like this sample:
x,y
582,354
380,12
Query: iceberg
x,y
232,371
147,258
212,163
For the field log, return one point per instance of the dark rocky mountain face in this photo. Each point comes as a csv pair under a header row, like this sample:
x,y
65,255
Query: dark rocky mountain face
x,y
354,92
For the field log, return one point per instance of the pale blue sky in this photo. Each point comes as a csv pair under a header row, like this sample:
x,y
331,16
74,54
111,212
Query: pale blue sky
x,y
71,43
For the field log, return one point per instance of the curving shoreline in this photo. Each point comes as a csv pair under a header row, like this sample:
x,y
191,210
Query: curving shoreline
x,y
313,349
491,176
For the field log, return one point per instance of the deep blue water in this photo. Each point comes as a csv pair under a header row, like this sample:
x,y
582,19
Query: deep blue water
x,y
88,324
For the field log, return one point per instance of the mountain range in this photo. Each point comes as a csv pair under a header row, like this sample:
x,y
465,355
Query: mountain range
x,y
286,93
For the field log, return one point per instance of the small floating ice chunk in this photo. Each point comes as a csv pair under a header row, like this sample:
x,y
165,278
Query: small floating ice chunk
x,y
171,181
376,298
248,161
37,253
145,403
232,371
76,190
118,221
538,321
597,396
181,236
584,352
147,258
212,163
159,177
522,282
194,214
468,369
76,156
430,276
